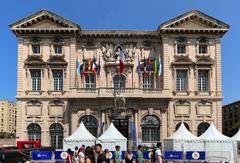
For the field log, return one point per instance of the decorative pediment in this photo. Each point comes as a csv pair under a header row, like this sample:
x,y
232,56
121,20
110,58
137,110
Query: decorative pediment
x,y
182,60
44,21
56,60
194,21
204,60
34,60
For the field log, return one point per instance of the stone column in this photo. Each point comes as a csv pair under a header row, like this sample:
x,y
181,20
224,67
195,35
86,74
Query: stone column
x,y
164,124
74,122
72,66
165,63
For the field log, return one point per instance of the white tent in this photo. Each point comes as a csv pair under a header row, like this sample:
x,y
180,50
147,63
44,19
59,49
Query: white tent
x,y
236,137
182,140
79,137
217,146
112,137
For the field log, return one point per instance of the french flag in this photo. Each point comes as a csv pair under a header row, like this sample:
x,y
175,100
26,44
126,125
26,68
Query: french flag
x,y
94,67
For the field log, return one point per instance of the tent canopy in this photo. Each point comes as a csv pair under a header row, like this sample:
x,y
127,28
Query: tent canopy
x,y
79,137
182,133
112,134
213,134
81,134
112,137
236,137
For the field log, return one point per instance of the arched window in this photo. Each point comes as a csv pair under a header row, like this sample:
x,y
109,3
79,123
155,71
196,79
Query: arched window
x,y
90,123
119,81
56,133
185,124
34,131
202,127
150,129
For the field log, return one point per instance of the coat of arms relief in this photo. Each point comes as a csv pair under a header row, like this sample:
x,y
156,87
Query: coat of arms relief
x,y
113,52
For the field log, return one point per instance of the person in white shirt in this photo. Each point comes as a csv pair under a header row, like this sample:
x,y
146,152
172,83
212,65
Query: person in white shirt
x,y
158,153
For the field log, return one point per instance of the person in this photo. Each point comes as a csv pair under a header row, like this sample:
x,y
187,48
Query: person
x,y
69,156
129,157
82,149
89,155
76,158
152,155
140,154
101,158
107,155
117,155
81,157
158,153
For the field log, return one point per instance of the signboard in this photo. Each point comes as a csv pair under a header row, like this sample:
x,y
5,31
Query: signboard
x,y
41,155
173,155
195,155
58,155
134,153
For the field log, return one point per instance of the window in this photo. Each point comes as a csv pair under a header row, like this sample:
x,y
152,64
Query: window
x,y
119,81
34,131
90,80
150,129
181,46
36,80
202,127
181,49
36,49
202,46
148,81
56,133
58,80
90,123
58,49
181,80
185,124
202,49
203,80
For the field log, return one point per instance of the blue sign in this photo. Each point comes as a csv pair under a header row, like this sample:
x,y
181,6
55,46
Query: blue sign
x,y
41,155
58,155
173,155
146,155
195,155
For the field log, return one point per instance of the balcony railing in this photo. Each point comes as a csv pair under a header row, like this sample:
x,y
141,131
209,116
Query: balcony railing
x,y
110,92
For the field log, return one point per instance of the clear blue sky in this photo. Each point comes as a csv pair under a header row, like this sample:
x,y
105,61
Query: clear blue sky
x,y
122,14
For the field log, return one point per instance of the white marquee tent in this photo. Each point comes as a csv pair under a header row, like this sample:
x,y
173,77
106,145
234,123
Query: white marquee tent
x,y
79,137
112,137
236,137
217,146
182,140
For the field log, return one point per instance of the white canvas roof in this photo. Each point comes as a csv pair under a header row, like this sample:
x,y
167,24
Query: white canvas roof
x,y
111,134
213,134
81,134
182,133
236,136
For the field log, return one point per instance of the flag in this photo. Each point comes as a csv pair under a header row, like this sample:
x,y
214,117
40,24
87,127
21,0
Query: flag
x,y
144,68
121,55
159,66
121,66
89,65
139,68
99,67
78,67
84,67
94,67
155,67
149,65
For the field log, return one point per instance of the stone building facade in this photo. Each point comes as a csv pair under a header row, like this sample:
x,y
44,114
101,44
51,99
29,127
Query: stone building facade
x,y
230,118
8,112
145,82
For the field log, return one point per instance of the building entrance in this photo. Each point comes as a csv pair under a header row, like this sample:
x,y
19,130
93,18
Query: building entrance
x,y
122,126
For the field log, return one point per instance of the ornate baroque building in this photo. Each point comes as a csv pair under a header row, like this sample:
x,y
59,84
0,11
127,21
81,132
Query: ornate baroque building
x,y
145,82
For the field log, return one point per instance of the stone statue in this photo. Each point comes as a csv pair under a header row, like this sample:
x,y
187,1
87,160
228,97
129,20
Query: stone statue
x,y
119,102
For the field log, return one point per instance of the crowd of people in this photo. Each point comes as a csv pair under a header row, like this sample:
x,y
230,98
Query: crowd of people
x,y
96,154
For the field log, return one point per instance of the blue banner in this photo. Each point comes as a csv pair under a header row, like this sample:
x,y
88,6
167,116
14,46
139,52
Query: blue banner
x,y
58,155
133,152
133,132
173,155
41,155
195,155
